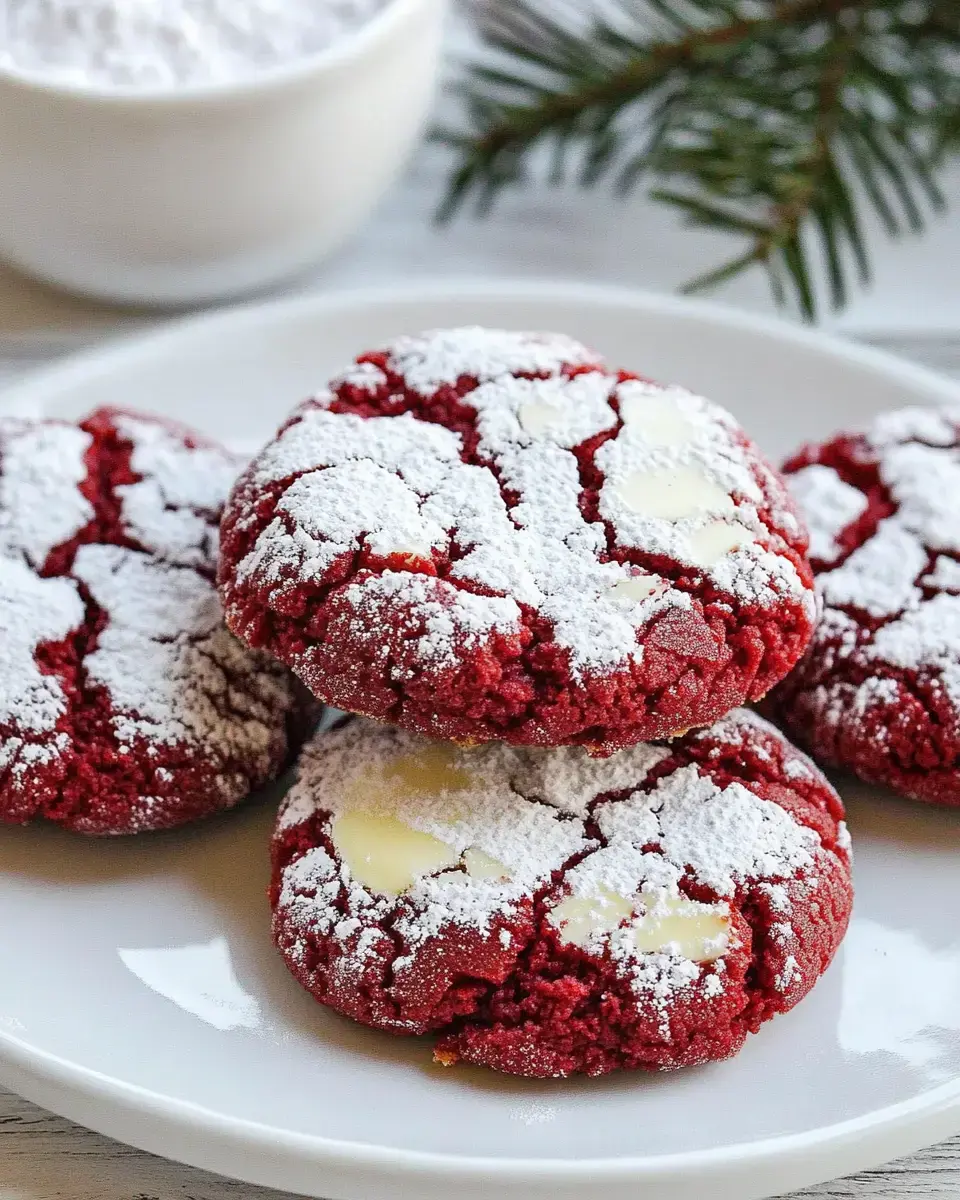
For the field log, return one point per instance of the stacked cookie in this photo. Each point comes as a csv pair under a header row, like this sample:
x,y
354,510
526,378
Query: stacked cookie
x,y
537,575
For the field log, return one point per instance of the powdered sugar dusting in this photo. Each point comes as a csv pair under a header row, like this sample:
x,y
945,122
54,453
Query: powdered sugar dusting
x,y
710,452
170,666
442,357
363,375
173,508
388,486
32,611
739,728
157,671
798,768
945,576
41,505
925,638
569,780
513,412
830,505
777,896
724,836
880,577
444,615
745,730
935,426
922,480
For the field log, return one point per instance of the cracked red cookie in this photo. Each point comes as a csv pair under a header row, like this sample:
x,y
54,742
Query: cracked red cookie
x,y
125,703
546,913
481,535
879,691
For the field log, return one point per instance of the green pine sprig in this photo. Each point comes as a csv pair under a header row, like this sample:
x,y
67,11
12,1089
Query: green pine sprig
x,y
776,121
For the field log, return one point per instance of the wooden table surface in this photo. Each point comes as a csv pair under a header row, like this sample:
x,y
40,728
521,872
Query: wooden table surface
x,y
43,1157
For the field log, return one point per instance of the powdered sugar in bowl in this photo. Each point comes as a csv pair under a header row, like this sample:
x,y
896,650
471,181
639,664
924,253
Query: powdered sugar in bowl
x,y
180,151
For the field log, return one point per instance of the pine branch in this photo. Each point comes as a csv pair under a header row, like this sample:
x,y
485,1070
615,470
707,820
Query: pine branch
x,y
777,121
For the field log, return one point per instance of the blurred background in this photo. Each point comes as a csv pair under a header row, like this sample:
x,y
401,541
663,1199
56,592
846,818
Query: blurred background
x,y
540,228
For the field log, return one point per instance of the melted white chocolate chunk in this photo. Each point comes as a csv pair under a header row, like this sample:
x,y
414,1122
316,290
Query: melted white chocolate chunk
x,y
657,419
673,494
637,588
709,544
537,419
479,865
686,928
669,925
433,771
388,856
581,919
385,855
382,852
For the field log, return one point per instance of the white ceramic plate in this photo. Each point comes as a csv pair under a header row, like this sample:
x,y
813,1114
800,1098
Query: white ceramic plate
x,y
139,992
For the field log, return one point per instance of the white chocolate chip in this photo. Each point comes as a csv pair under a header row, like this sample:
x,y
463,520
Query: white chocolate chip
x,y
385,855
670,924
582,919
637,588
481,866
382,852
673,493
686,928
433,771
711,543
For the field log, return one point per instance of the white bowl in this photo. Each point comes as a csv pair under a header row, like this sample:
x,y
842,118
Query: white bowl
x,y
201,193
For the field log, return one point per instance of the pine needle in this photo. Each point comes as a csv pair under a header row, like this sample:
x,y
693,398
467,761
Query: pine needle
x,y
777,122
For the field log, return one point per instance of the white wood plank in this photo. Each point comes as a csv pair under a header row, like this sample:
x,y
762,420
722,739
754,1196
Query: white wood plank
x,y
43,1157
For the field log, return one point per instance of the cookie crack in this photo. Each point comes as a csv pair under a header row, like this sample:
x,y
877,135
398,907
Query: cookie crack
x,y
846,456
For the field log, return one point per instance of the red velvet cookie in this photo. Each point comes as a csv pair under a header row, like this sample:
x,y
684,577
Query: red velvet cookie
x,y
125,704
879,690
480,535
546,913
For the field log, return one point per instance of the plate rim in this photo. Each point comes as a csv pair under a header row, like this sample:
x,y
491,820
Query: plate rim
x,y
38,1074
120,344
